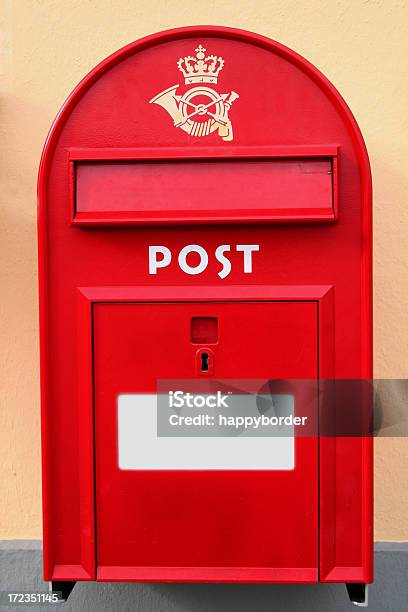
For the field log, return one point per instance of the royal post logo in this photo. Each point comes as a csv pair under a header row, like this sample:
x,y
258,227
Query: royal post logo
x,y
201,110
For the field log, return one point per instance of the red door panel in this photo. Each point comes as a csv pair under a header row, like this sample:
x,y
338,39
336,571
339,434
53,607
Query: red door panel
x,y
208,524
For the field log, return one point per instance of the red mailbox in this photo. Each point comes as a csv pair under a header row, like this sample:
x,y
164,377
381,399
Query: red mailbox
x,y
204,213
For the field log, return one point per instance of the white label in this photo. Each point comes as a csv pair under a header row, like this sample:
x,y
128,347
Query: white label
x,y
140,448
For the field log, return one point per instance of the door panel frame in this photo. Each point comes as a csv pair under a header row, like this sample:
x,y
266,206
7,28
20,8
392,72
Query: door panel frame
x,y
86,298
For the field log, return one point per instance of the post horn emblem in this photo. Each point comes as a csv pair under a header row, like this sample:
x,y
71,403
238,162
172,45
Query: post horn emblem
x,y
201,110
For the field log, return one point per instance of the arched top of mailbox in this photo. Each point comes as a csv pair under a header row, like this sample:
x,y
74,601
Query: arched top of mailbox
x,y
196,33
208,91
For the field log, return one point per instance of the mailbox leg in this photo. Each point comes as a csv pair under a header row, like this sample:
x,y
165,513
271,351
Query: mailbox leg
x,y
62,587
358,593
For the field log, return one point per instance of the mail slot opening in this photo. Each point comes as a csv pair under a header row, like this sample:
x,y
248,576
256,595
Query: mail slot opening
x,y
214,190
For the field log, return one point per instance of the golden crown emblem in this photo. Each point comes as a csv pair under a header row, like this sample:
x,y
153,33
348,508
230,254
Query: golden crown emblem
x,y
201,68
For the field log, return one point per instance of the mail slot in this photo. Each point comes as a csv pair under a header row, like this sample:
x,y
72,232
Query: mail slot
x,y
258,189
205,268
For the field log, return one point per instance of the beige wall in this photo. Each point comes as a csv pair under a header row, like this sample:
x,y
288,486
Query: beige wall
x,y
47,46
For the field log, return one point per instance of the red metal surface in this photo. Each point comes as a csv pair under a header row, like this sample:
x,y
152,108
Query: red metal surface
x,y
285,103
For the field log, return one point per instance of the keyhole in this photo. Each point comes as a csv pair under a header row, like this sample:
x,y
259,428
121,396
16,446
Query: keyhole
x,y
204,362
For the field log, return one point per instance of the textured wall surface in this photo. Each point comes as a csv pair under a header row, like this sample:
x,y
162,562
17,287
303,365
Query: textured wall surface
x,y
47,46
